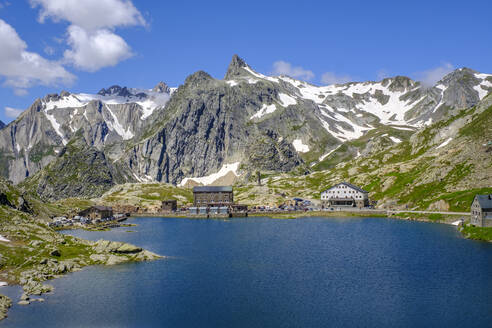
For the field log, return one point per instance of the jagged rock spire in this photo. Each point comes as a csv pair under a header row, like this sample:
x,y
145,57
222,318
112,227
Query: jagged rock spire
x,y
161,87
234,68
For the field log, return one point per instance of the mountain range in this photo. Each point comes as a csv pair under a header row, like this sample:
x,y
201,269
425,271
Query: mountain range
x,y
65,144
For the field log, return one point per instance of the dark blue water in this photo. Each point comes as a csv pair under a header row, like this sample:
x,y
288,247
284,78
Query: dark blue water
x,y
260,272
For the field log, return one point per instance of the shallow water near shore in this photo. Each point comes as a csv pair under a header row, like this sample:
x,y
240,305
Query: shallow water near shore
x,y
260,272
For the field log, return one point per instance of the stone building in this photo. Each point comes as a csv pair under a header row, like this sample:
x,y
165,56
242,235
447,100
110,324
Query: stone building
x,y
212,196
97,212
481,211
345,194
169,205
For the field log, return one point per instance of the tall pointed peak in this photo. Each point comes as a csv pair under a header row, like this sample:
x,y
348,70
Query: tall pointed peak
x,y
235,66
161,87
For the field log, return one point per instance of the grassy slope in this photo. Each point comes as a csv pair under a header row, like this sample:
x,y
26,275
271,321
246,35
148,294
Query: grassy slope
x,y
476,233
146,194
413,174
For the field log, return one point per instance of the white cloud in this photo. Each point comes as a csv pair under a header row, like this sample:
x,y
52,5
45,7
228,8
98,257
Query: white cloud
x,y
20,92
93,43
333,78
23,69
50,51
93,51
90,15
284,68
12,112
431,76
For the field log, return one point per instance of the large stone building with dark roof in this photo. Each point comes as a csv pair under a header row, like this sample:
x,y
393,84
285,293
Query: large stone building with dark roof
x,y
97,212
212,196
345,194
481,211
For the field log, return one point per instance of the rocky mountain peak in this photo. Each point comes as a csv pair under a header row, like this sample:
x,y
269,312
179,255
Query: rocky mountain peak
x,y
234,68
197,78
162,87
461,75
51,97
115,90
64,94
400,84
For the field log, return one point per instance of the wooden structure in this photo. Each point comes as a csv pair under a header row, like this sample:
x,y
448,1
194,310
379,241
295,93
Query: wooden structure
x,y
345,195
481,211
212,196
97,212
169,205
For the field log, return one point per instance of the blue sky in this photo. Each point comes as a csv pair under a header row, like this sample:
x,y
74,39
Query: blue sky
x,y
82,46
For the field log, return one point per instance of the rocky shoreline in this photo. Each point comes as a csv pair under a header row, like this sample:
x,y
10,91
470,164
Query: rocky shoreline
x,y
102,252
5,304
36,253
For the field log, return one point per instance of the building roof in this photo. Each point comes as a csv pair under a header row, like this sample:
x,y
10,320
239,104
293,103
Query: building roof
x,y
485,201
212,189
350,186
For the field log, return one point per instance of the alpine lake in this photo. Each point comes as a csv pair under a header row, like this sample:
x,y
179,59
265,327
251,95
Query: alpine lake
x,y
263,272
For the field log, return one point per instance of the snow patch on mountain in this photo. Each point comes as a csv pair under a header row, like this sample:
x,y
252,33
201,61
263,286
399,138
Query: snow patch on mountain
x,y
64,102
484,85
55,125
322,157
265,109
444,143
402,128
299,146
395,140
116,126
148,100
286,100
340,131
209,179
260,76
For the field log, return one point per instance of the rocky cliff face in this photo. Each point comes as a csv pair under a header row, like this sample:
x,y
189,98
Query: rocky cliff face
x,y
261,122
206,125
79,170
106,120
209,122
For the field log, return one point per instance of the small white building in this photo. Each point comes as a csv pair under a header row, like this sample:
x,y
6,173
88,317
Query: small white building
x,y
345,194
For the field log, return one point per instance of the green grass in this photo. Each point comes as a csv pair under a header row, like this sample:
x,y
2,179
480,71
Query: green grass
x,y
460,201
435,217
39,151
149,192
479,126
477,233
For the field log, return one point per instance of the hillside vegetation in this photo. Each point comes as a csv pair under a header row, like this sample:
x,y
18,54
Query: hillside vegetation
x,y
440,167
